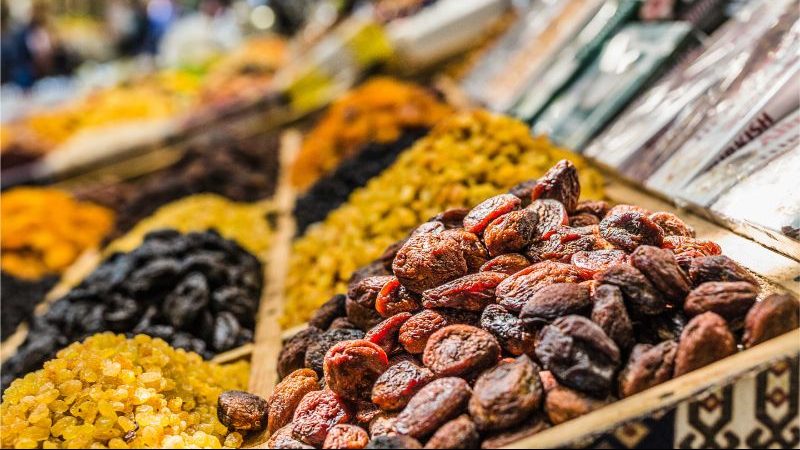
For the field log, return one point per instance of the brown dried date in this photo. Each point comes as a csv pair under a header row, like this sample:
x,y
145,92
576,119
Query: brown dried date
x,y
328,312
550,214
510,232
460,432
508,329
283,439
293,353
506,394
640,294
316,414
648,366
460,350
533,425
730,299
394,298
470,292
563,404
242,411
434,405
395,387
671,224
554,301
559,183
771,317
393,442
351,368
415,332
315,354
515,290
582,220
718,268
630,229
591,262
508,264
362,317
287,395
660,267
608,311
385,333
579,354
480,216
705,339
346,436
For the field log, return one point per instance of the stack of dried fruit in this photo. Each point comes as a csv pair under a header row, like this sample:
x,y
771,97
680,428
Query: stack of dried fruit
x,y
113,392
197,291
465,159
494,323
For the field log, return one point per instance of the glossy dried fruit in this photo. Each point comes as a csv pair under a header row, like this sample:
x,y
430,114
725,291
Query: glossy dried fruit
x,y
515,290
460,350
351,368
608,311
718,268
395,387
523,191
510,232
434,405
393,442
329,311
316,414
242,411
287,395
597,208
591,262
394,298
660,267
385,333
579,354
559,183
705,339
459,433
563,404
696,247
342,323
582,220
383,424
550,214
366,411
452,218
770,318
488,210
554,301
415,332
535,424
508,264
730,299
640,295
630,229
671,224
565,242
471,292
648,366
365,292
315,353
508,329
506,394
346,436
283,439
293,353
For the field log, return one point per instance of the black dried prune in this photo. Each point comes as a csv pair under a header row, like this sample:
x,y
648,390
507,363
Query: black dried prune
x,y
608,311
293,352
630,229
431,407
640,295
226,332
554,301
559,183
771,317
506,394
508,329
184,303
460,350
480,216
471,292
315,353
510,232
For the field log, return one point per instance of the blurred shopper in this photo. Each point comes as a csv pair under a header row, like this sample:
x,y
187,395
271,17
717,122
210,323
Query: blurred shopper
x,y
197,37
129,24
6,43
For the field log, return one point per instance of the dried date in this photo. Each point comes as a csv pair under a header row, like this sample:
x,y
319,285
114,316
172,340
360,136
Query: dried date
x,y
346,436
316,414
287,395
640,294
395,387
508,264
550,214
608,311
293,353
394,298
315,354
433,406
648,366
771,317
508,329
517,289
559,183
672,224
630,229
242,411
460,432
718,268
506,394
471,292
730,299
591,262
554,301
460,350
705,339
480,216
660,267
351,368
510,232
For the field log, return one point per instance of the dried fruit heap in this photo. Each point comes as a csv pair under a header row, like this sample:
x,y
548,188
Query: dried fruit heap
x,y
114,392
464,159
491,324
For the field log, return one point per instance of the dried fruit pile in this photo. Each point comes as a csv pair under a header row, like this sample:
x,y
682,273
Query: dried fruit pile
x,y
113,392
488,325
197,291
464,159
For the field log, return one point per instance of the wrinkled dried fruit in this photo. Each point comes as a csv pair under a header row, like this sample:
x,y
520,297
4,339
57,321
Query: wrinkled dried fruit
x,y
508,264
361,316
510,232
346,436
315,354
630,229
565,242
366,291
506,394
460,350
452,218
415,332
283,439
316,414
393,442
287,395
730,299
385,333
342,323
622,208
351,368
648,366
366,412
523,191
328,312
554,301
533,425
718,268
460,432
608,311
582,220
660,267
488,210
663,327
383,425
559,183
242,411
771,317
515,290
597,208
640,295
508,329
431,407
683,244
470,292
579,354
705,339
671,224
293,352
394,298
550,214
591,262
563,404
395,387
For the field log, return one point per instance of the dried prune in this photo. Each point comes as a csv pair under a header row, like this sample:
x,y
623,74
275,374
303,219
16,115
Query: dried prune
x,y
394,298
705,339
393,442
660,267
510,232
550,214
287,395
554,301
383,424
582,220
597,208
395,387
385,333
663,327
718,268
671,224
460,432
508,329
293,352
771,317
515,290
226,331
328,312
563,404
351,368
460,350
508,264
315,353
565,242
366,291
283,439
648,366
428,260
431,407
630,229
609,312
316,414
346,436
591,262
579,354
242,411
730,299
480,216
559,183
452,218
362,317
506,394
640,295
470,292
535,424
415,332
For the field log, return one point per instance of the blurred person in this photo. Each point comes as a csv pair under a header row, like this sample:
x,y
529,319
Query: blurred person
x,y
6,43
129,24
197,37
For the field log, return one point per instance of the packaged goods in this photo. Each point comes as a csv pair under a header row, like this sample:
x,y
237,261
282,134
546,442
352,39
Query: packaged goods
x,y
465,158
44,230
19,299
113,392
197,291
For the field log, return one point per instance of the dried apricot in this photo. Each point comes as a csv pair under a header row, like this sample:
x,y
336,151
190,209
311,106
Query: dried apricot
x,y
648,366
385,333
705,339
460,432
479,217
351,368
316,414
559,183
771,317
395,387
470,292
730,299
508,329
415,332
515,290
346,436
554,301
608,311
510,232
431,407
460,350
630,229
591,262
508,264
671,224
660,267
640,294
287,395
506,394
394,298
550,214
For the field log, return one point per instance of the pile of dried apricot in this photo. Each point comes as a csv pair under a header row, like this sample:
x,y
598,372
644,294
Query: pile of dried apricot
x,y
487,325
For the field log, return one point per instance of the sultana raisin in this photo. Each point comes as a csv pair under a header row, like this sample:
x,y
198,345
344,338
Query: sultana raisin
x,y
460,432
346,436
434,405
415,332
730,299
395,387
608,311
470,292
510,232
315,355
535,424
705,339
316,414
508,329
660,267
508,264
393,442
554,301
480,216
460,350
515,290
718,268
559,183
550,214
591,262
630,229
640,294
394,298
771,317
287,395
242,411
351,368
648,366
385,333
563,404
671,224
283,439
506,395
293,353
